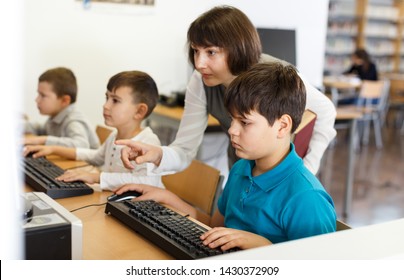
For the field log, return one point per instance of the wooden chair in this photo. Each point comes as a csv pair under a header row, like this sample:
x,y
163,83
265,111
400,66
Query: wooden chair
x,y
396,101
200,185
302,135
102,133
372,113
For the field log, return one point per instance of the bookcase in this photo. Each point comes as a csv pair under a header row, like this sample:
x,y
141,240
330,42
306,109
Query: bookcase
x,y
376,25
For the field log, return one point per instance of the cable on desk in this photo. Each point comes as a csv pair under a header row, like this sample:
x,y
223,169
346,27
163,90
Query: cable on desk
x,y
90,205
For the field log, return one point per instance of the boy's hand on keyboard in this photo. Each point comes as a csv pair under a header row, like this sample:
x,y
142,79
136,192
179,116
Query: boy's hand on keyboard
x,y
148,192
160,195
228,238
37,150
78,175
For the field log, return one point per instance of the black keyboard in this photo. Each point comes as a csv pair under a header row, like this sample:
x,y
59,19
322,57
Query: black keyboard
x,y
172,232
40,174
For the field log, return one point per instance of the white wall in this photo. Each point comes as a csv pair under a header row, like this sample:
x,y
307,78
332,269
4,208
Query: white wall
x,y
97,44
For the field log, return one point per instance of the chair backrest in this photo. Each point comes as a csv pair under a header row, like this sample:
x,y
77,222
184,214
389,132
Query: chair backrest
x,y
102,133
396,87
375,95
302,135
374,90
396,91
371,89
199,185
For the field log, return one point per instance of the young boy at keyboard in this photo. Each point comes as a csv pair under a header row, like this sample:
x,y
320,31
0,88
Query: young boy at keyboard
x,y
66,126
131,96
270,196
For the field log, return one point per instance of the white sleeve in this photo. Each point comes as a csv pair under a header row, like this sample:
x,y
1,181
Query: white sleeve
x,y
179,154
113,180
324,130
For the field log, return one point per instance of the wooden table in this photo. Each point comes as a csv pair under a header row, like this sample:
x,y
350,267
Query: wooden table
x,y
336,84
104,237
171,117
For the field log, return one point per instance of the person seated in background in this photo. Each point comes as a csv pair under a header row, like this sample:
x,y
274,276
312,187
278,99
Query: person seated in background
x,y
66,126
270,195
131,96
362,66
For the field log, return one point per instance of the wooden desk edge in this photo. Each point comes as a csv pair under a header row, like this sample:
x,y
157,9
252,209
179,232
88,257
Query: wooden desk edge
x,y
177,112
343,114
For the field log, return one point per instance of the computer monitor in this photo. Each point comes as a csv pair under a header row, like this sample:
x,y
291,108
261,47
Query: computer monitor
x,y
280,43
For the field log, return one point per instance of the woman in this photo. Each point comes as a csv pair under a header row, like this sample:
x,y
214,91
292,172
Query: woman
x,y
362,66
223,43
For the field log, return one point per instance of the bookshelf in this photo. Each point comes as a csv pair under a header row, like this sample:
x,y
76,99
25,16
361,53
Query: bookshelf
x,y
376,25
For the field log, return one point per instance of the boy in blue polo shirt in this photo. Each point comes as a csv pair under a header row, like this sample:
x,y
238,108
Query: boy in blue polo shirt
x,y
270,196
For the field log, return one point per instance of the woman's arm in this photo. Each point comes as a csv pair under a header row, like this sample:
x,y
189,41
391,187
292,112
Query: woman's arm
x,y
179,154
113,180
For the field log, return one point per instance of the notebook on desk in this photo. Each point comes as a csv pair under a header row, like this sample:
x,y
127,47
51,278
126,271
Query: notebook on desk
x,y
302,135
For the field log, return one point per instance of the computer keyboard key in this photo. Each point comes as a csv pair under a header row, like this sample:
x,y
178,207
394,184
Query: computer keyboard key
x,y
40,174
169,230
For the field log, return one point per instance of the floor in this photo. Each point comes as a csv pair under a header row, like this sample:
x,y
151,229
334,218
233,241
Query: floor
x,y
378,193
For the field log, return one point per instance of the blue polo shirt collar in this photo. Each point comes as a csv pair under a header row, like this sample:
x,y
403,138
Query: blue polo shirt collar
x,y
272,178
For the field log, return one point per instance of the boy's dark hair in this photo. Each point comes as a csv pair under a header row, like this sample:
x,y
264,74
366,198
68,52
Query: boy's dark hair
x,y
144,88
228,28
271,89
63,82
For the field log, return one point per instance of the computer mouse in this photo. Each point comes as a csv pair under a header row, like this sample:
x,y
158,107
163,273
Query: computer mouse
x,y
124,196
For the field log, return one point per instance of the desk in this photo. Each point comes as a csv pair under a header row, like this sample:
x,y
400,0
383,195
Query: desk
x,y
338,83
351,118
171,117
66,164
104,237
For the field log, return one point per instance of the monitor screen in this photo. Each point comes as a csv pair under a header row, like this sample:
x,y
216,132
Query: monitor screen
x,y
280,43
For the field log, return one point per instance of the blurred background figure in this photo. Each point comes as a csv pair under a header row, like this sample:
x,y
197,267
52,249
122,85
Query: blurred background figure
x,y
362,66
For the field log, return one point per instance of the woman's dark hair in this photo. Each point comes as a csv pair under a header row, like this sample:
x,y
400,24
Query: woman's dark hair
x,y
228,28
